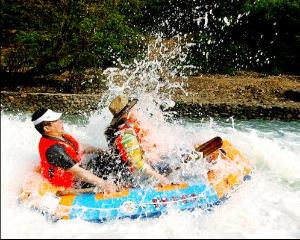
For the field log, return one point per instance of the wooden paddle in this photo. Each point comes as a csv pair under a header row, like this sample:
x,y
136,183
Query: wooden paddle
x,y
210,146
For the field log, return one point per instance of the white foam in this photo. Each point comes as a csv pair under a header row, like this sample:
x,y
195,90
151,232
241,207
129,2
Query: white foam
x,y
268,206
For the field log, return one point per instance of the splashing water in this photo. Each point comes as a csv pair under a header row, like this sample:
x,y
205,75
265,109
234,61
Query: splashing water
x,y
268,206
152,79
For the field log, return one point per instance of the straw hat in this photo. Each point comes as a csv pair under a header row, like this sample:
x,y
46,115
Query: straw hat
x,y
119,106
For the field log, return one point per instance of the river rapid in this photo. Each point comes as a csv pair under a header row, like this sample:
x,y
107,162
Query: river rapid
x,y
267,206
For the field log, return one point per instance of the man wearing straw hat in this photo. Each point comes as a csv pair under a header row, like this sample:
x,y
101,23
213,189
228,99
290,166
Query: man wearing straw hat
x,y
124,142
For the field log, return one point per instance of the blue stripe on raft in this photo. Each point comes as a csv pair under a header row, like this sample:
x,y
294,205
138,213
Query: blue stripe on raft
x,y
140,203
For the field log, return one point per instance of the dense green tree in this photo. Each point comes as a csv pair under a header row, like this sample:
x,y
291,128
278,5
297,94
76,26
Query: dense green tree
x,y
231,35
228,35
273,28
67,34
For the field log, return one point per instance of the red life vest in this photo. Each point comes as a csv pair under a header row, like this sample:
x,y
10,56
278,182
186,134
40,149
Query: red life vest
x,y
56,175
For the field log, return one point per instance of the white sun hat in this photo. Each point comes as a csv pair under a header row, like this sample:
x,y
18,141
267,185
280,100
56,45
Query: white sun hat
x,y
49,116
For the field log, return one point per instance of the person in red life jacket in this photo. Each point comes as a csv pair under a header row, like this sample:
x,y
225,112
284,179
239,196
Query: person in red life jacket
x,y
61,154
124,139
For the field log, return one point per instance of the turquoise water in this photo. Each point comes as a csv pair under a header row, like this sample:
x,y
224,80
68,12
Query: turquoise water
x,y
268,206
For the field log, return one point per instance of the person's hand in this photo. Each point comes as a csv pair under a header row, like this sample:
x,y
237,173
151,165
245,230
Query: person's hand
x,y
150,171
163,180
109,187
91,150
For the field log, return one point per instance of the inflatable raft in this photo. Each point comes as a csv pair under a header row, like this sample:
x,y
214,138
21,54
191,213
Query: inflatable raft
x,y
142,202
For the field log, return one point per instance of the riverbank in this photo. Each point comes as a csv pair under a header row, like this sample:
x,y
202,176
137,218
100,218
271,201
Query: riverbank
x,y
242,96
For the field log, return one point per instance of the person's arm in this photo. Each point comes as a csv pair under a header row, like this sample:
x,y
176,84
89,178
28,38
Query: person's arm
x,y
89,177
88,149
150,171
135,156
57,156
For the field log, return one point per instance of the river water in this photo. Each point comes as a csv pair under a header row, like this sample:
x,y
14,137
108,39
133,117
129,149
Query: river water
x,y
267,206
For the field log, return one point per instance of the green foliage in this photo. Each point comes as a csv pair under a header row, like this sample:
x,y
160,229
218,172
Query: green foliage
x,y
273,27
53,36
261,35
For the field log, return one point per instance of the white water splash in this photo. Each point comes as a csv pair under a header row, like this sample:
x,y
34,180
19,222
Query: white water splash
x,y
267,206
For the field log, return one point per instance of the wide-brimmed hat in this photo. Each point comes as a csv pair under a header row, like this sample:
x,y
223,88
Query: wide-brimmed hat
x,y
119,106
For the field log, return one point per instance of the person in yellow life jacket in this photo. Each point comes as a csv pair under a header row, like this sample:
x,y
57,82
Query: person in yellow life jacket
x,y
61,154
124,139
144,136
